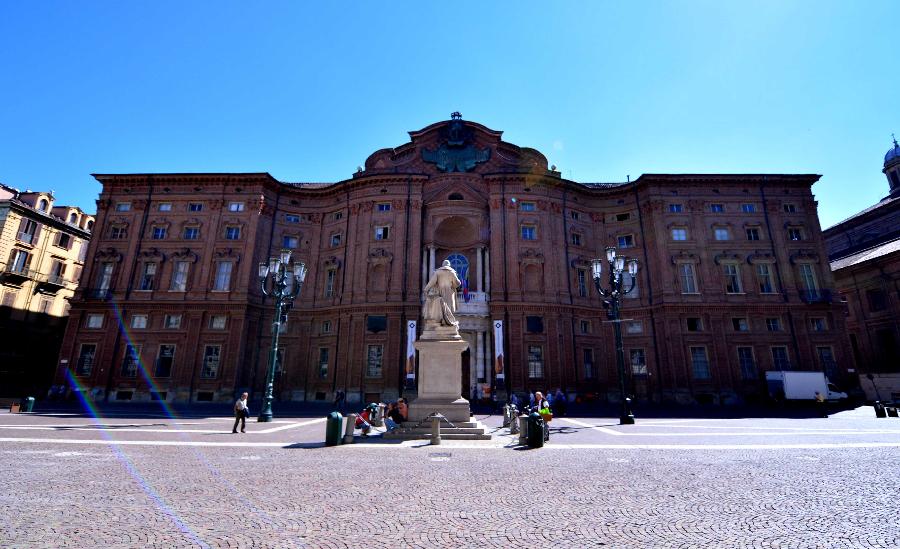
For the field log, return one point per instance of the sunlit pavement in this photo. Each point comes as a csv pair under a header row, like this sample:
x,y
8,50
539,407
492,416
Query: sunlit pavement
x,y
76,481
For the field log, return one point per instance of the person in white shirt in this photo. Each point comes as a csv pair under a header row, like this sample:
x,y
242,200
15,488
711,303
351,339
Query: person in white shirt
x,y
241,413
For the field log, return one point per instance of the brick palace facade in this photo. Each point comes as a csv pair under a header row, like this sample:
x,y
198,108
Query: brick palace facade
x,y
734,279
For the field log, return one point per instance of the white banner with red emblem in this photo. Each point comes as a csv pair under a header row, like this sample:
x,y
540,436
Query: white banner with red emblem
x,y
410,351
498,350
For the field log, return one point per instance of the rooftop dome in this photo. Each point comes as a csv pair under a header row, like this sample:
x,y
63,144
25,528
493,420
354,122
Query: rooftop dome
x,y
893,154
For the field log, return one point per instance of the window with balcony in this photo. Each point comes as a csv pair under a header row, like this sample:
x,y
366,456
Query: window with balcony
x,y
223,276
764,278
809,286
180,276
535,362
212,354
700,363
148,277
732,274
28,232
21,262
688,278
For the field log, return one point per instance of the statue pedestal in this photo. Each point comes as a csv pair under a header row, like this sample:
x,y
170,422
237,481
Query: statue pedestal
x,y
440,380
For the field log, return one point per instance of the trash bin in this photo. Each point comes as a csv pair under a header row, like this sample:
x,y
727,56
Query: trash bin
x,y
28,404
891,411
333,427
879,410
535,430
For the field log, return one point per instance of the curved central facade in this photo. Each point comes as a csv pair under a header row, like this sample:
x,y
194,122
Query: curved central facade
x,y
733,281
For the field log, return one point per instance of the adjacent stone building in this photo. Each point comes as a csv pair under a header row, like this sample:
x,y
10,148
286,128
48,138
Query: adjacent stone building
x,y
864,251
733,280
42,252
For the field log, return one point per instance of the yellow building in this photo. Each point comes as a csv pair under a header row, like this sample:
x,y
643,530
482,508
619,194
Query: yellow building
x,y
42,252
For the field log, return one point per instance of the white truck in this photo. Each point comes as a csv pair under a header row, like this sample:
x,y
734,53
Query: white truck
x,y
801,386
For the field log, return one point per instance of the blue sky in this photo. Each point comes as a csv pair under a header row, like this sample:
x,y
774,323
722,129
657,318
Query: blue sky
x,y
306,91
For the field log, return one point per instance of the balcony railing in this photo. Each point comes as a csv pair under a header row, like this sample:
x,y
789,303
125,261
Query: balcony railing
x,y
17,270
27,238
55,280
815,295
477,304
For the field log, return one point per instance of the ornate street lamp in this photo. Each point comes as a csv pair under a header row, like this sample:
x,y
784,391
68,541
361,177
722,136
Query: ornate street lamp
x,y
611,296
285,282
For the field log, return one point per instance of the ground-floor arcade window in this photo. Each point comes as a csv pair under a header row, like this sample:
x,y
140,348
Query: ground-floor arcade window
x,y
588,363
374,359
700,363
535,361
164,361
323,362
85,359
131,360
212,354
747,363
638,360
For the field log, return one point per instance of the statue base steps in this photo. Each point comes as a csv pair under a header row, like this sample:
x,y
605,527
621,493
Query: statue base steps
x,y
467,430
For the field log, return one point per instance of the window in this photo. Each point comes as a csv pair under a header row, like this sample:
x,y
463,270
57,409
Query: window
x,y
688,278
382,233
679,234
73,218
721,234
795,234
147,277
235,206
104,277
638,361
57,271
748,208
94,321
45,305
625,241
694,324
581,278
529,232
85,359
374,359
773,324
588,359
623,216
123,207
165,360
191,233
818,324
764,277
335,240
292,218
338,216
526,206
63,240
165,207
717,208
574,215
195,207
877,299
675,208
826,360
329,282
130,360
634,327
43,205
376,323
28,232
790,208
180,276
732,278
217,322
326,326
383,207
810,288
290,242
139,322
747,363
9,298
740,325
780,358
211,357
585,326
232,233
323,362
223,276
159,233
534,324
118,232
700,363
82,251
576,239
21,261
535,361
172,322
752,233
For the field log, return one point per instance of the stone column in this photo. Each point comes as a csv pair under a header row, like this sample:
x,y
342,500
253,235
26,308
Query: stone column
x,y
431,264
425,271
487,271
478,252
479,355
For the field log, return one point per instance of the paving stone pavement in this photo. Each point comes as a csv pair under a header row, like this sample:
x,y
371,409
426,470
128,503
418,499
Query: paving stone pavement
x,y
61,495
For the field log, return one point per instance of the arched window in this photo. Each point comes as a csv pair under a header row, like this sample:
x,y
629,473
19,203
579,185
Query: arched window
x,y
460,264
73,217
43,204
90,225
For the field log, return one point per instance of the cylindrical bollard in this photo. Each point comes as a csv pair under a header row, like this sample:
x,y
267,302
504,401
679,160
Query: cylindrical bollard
x,y
523,429
435,431
351,425
333,427
513,422
879,410
891,411
535,430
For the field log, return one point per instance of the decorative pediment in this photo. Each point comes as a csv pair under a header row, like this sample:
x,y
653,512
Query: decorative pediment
x,y
727,257
761,257
227,253
793,225
332,262
185,254
108,254
581,262
685,257
191,222
804,256
119,221
152,254
380,256
531,256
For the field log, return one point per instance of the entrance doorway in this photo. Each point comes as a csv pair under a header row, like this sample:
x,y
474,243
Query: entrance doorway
x,y
466,389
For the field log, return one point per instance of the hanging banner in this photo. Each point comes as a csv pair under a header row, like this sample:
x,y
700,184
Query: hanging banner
x,y
410,353
498,350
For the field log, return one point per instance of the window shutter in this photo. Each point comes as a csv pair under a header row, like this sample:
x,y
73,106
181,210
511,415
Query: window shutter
x,y
37,234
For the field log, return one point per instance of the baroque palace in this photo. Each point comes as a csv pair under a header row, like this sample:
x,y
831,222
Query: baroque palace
x,y
734,279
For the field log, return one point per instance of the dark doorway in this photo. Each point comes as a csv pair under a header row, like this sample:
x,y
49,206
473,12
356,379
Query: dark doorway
x,y
466,389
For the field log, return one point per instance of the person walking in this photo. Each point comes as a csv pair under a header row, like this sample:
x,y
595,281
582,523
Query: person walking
x,y
339,399
241,413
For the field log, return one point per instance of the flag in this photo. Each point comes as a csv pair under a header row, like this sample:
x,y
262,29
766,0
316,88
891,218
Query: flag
x,y
465,285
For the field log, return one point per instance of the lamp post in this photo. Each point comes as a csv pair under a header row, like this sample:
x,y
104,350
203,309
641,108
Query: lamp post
x,y
284,282
611,296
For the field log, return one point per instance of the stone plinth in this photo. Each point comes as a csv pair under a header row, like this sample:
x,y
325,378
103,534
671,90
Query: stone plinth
x,y
440,381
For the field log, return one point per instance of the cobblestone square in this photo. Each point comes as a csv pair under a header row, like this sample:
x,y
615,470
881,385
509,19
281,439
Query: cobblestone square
x,y
73,481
